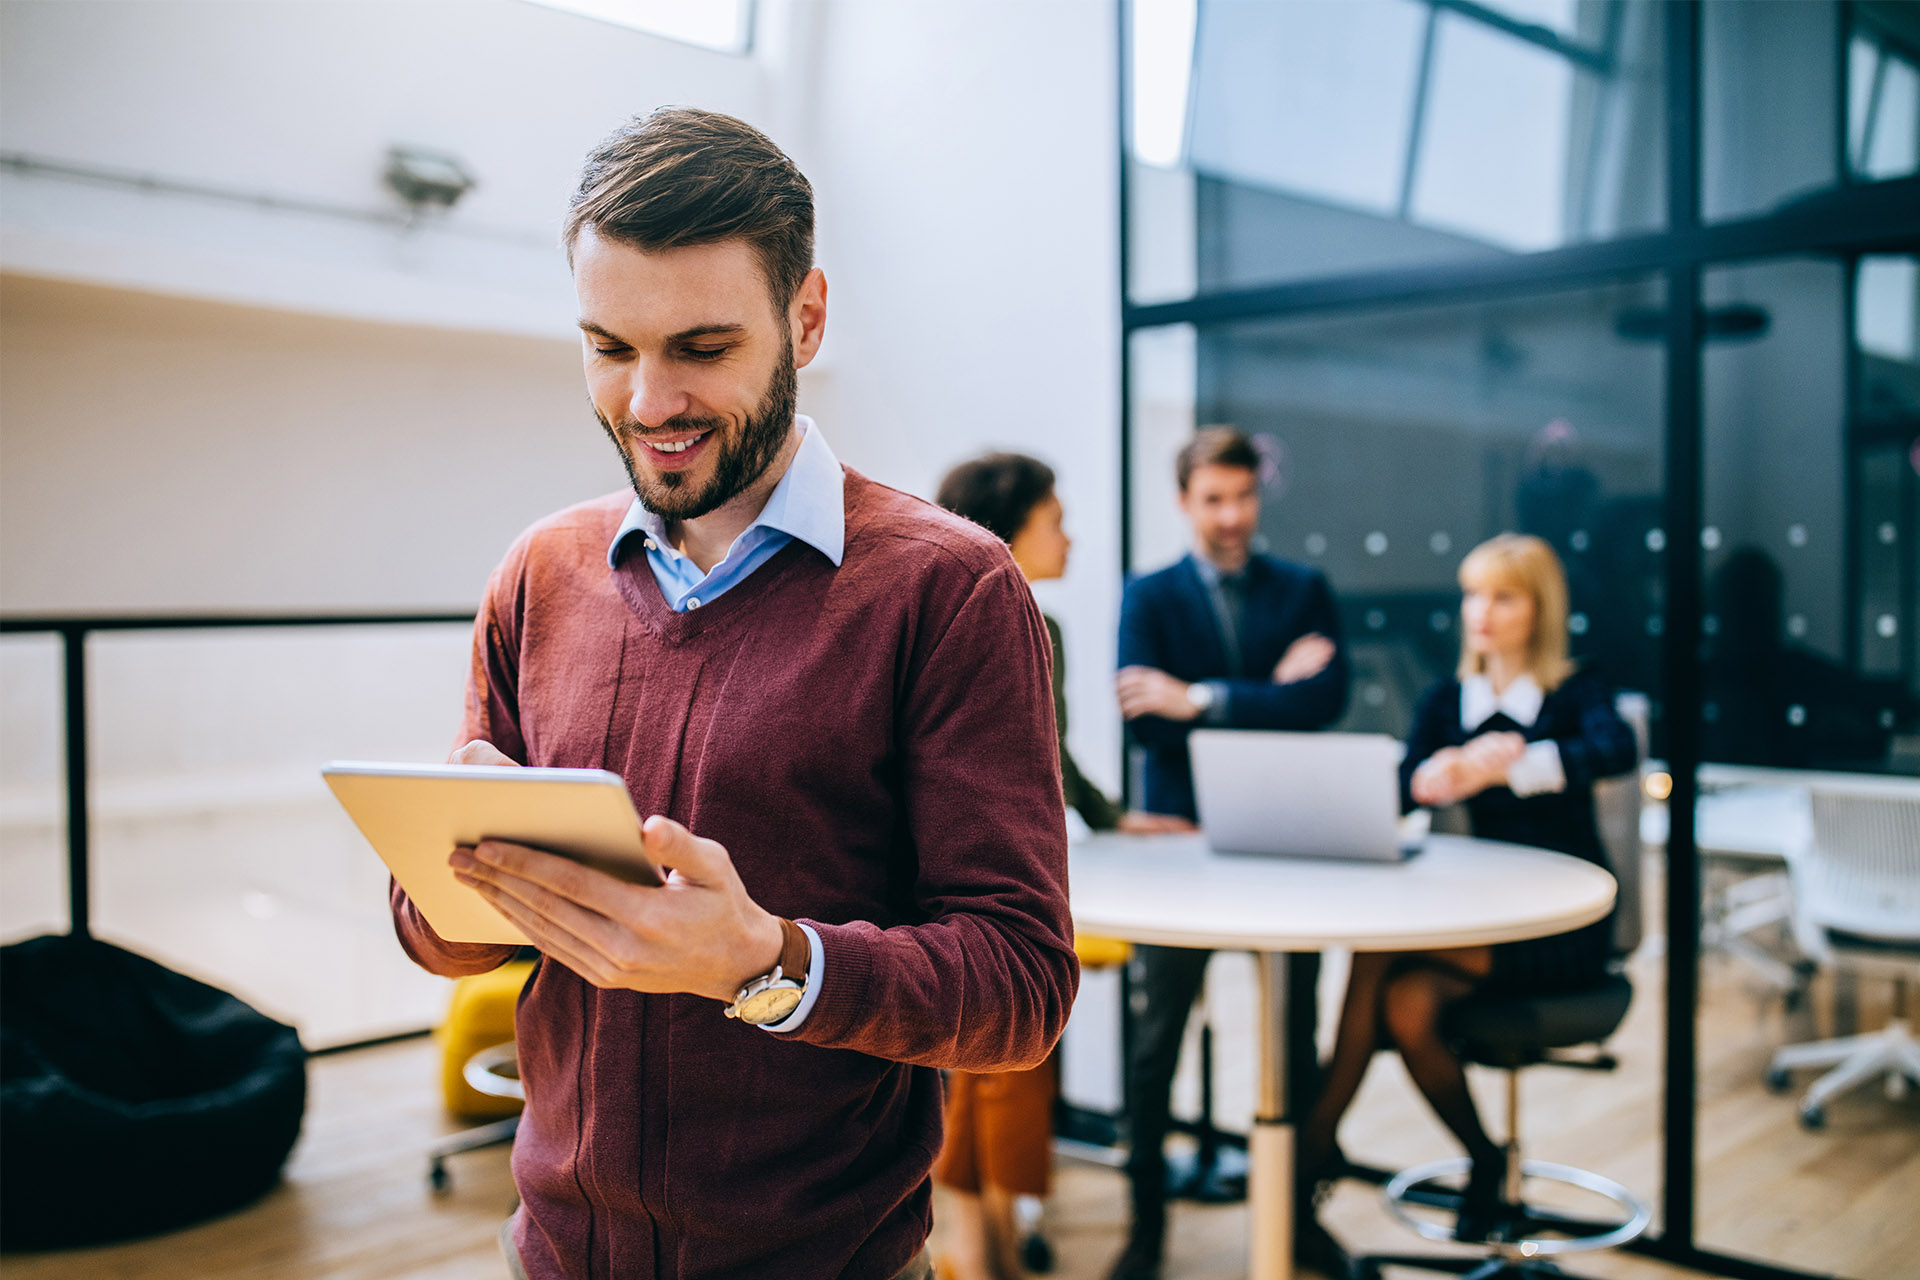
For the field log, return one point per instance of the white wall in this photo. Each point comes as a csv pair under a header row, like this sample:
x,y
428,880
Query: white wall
x,y
300,99
163,454
965,161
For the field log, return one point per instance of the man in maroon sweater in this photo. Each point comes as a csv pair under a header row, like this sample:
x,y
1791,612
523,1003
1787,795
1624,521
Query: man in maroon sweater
x,y
834,701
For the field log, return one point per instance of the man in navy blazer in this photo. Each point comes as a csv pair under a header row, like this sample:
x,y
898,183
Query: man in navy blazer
x,y
1223,638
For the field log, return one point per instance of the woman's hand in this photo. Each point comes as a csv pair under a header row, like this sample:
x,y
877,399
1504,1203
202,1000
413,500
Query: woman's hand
x,y
1453,774
1490,756
1442,779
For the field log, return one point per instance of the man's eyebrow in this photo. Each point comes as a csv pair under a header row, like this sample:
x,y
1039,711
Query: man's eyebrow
x,y
720,330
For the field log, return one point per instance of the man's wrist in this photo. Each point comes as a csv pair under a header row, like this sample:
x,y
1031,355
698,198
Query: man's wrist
x,y
769,945
1199,697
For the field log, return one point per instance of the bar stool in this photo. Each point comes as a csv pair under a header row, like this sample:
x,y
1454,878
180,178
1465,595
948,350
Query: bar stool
x,y
1510,1033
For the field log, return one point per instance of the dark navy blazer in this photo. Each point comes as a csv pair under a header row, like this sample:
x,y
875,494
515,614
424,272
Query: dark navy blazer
x,y
1167,621
1594,743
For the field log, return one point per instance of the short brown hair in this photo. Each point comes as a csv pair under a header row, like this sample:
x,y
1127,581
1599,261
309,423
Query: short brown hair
x,y
682,176
1215,447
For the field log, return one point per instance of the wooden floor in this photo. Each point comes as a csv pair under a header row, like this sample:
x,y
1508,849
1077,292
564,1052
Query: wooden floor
x,y
355,1203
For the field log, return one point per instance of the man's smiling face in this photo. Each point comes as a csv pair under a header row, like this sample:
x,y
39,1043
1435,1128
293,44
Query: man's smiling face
x,y
690,366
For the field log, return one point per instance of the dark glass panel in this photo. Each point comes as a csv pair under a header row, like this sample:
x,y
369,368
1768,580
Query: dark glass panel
x,y
1275,142
1399,440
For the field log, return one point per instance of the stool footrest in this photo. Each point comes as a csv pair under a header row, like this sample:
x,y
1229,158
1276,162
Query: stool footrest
x,y
1409,1187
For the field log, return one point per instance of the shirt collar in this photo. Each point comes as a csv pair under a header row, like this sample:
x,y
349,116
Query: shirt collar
x,y
809,503
1211,575
1478,703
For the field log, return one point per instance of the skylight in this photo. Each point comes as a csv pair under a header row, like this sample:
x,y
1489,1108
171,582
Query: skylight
x,y
725,25
1162,78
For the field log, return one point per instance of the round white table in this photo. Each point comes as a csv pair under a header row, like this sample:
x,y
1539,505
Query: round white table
x,y
1458,892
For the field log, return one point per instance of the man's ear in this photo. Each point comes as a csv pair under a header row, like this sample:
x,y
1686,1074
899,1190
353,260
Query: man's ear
x,y
807,317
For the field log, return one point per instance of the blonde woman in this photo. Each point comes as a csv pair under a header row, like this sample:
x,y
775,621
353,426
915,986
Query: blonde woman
x,y
1519,736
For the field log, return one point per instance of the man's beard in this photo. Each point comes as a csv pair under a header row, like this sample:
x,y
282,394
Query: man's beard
x,y
738,462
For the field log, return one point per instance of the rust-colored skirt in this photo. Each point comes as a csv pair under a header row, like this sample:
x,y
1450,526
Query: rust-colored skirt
x,y
999,1131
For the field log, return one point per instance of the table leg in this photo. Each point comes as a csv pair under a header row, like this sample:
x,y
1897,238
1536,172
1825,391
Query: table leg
x,y
1270,1150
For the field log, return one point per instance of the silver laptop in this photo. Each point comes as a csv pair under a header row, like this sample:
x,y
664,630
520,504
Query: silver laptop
x,y
1313,795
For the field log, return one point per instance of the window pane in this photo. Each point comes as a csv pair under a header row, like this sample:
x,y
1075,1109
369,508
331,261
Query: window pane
x,y
1886,458
33,796
1316,145
1558,16
1768,98
217,849
1809,543
712,24
1161,372
1863,61
1807,546
1889,140
1162,46
1770,95
1313,99
1493,160
1885,299
1399,440
1883,90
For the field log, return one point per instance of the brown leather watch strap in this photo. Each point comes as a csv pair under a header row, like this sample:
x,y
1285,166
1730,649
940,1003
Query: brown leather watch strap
x,y
796,952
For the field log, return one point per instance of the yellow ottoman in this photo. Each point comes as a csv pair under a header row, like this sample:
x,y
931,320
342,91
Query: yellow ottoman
x,y
480,1017
1098,953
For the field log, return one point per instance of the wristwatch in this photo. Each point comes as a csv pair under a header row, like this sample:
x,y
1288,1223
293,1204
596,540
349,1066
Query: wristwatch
x,y
1201,696
773,996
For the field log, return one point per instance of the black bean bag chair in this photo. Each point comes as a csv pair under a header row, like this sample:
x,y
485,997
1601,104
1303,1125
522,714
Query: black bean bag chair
x,y
133,1099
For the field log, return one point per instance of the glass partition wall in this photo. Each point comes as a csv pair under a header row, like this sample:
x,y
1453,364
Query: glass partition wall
x,y
1638,278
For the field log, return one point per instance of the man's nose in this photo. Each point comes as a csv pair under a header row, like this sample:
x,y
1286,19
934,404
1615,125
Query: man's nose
x,y
655,395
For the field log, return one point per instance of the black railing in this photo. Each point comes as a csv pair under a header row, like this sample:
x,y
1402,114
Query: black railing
x,y
73,633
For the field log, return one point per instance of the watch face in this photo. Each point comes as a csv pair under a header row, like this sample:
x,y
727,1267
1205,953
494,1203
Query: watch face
x,y
775,1004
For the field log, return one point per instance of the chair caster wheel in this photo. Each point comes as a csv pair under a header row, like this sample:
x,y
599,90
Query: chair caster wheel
x,y
437,1176
1779,1079
1814,1118
1036,1254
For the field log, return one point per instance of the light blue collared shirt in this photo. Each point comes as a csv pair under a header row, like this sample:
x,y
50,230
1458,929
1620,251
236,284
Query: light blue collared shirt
x,y
808,504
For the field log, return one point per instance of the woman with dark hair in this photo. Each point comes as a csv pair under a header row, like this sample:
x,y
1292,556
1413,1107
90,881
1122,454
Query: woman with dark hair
x,y
1000,1127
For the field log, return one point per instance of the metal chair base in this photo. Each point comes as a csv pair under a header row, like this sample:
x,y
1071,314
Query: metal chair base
x,y
1522,1252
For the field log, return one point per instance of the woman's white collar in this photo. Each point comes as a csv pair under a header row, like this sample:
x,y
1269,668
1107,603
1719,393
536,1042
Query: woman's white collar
x,y
1521,701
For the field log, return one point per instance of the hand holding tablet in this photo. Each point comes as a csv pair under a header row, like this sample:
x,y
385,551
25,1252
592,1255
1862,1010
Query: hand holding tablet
x,y
414,816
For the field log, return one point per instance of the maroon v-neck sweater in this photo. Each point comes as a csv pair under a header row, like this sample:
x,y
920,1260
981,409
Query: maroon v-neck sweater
x,y
874,746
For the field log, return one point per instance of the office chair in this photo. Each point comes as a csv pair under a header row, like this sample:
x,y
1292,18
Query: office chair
x,y
1513,1032
1856,891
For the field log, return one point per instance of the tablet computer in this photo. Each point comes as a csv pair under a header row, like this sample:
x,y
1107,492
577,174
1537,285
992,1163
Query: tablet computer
x,y
414,814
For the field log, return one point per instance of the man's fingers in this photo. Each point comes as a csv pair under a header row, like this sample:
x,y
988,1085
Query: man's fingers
x,y
480,751
564,878
691,857
550,939
615,946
